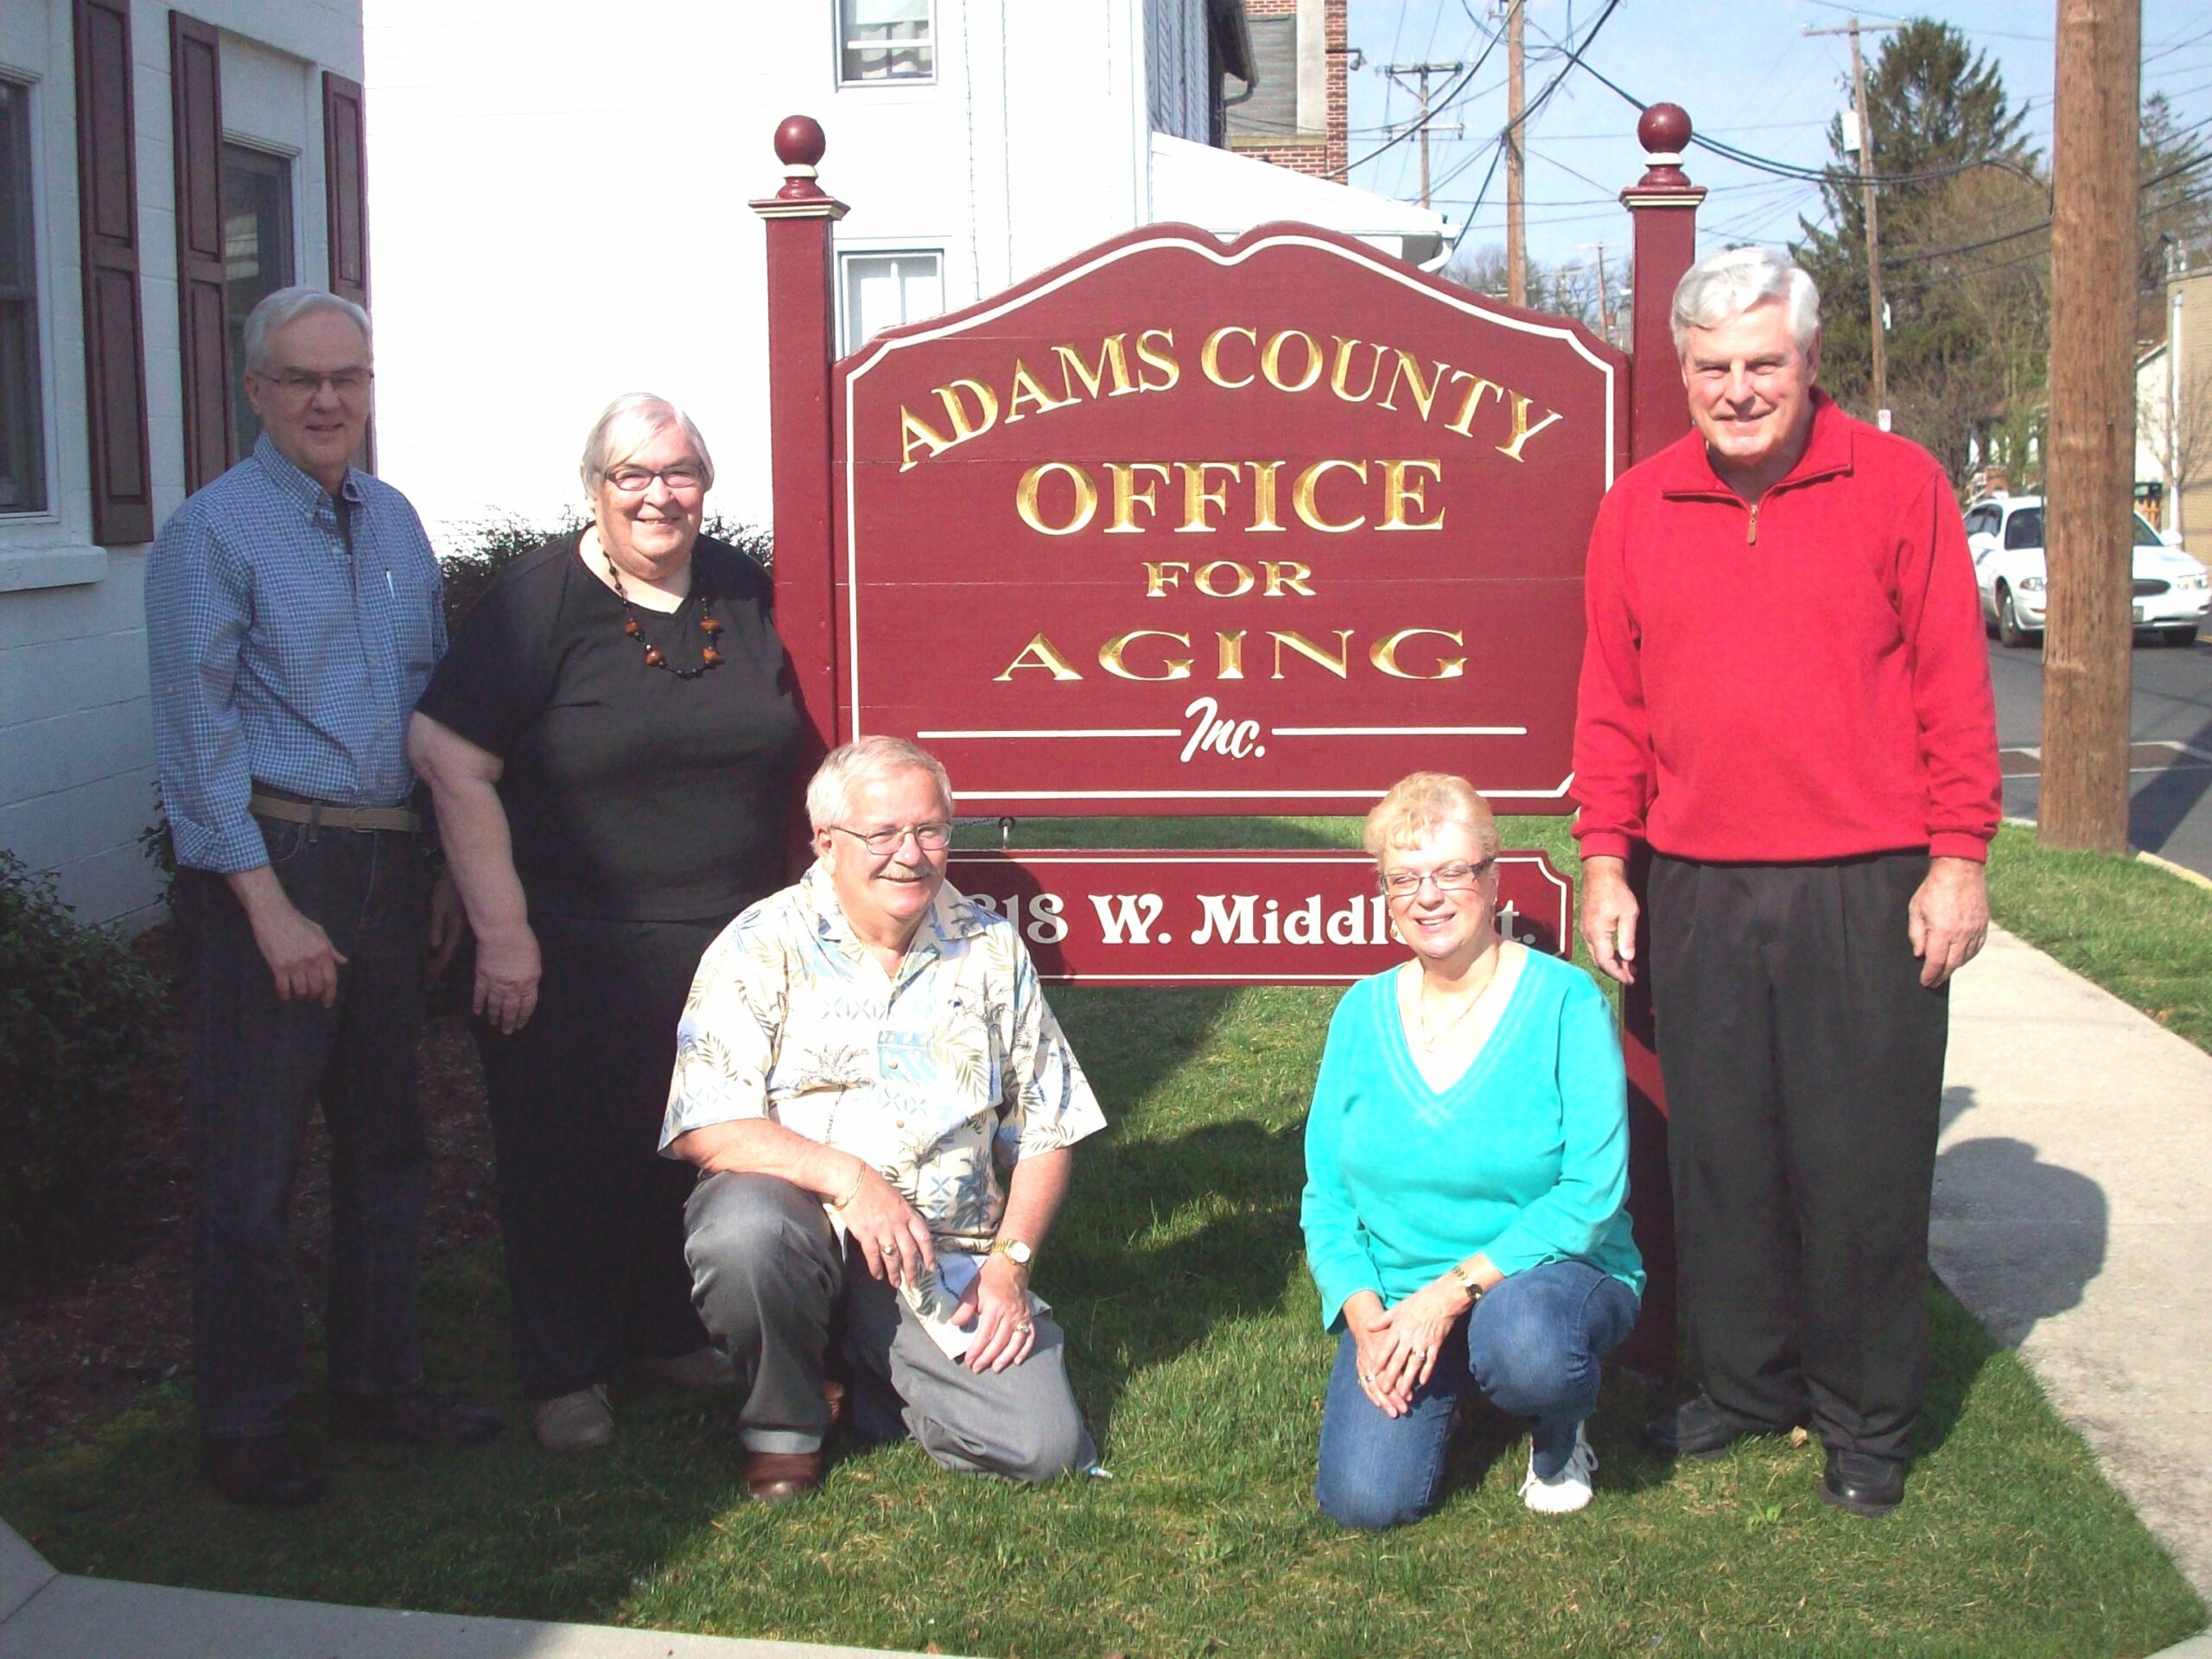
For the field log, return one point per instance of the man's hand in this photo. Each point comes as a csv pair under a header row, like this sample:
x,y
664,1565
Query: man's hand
x,y
507,968
1609,916
997,1305
1950,918
449,924
893,1239
300,954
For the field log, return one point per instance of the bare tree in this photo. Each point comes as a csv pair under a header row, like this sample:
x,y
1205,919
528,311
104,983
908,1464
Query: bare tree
x,y
2176,427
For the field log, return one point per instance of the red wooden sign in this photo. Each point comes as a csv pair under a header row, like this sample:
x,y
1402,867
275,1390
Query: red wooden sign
x,y
1184,526
1211,917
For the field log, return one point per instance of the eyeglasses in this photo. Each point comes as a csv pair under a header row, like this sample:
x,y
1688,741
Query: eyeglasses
x,y
303,384
683,478
932,837
1448,878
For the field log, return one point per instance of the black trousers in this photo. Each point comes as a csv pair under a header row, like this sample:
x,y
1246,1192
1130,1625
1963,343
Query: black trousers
x,y
1803,1061
591,1216
258,1067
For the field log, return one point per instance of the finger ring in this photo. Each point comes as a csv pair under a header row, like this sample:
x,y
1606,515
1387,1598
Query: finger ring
x,y
1021,1327
887,1245
1420,1353
1367,1376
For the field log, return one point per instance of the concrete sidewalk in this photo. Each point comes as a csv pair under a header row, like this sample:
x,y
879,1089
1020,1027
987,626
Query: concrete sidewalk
x,y
2074,1217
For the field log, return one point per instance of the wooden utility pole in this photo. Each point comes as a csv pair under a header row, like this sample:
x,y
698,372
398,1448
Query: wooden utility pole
x,y
1604,300
1871,208
1517,230
1423,71
2090,467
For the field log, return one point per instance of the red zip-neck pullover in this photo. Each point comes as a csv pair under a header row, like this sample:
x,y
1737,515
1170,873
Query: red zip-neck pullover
x,y
1797,678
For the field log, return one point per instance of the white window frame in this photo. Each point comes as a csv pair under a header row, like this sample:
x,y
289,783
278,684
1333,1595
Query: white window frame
x,y
933,40
45,327
848,337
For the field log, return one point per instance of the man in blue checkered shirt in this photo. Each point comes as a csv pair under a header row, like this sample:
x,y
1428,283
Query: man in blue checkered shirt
x,y
293,615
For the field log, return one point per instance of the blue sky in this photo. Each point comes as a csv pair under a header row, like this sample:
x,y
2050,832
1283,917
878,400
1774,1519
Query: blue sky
x,y
1742,68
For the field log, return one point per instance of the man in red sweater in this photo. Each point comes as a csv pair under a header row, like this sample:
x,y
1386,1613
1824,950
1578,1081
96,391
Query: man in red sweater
x,y
1785,695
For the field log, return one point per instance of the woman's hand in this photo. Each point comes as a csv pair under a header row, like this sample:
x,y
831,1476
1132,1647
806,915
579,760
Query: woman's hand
x,y
508,968
893,1238
1414,1333
997,1305
1374,1346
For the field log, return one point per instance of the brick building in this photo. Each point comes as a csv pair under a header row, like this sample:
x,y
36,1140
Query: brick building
x,y
1295,114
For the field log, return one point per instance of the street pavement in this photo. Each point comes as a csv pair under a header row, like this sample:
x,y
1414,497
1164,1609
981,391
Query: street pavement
x,y
2170,781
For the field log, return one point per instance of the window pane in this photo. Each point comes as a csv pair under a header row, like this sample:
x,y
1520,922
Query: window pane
x,y
23,464
886,40
884,289
256,257
2025,528
2144,536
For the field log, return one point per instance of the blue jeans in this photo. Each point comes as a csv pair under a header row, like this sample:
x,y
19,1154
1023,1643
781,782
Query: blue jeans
x,y
1532,1345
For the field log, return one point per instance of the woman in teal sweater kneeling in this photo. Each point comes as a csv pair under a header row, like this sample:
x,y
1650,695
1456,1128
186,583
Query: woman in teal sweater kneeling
x,y
1466,1159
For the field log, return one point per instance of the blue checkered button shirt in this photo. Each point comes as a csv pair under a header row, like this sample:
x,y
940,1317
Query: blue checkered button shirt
x,y
280,657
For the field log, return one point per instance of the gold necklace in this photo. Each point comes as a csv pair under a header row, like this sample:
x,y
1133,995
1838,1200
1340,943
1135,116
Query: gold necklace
x,y
1428,1041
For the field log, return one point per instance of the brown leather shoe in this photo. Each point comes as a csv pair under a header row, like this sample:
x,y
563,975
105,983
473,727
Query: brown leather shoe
x,y
782,1476
260,1469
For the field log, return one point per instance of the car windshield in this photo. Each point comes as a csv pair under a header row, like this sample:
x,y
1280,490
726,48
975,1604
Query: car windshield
x,y
2025,529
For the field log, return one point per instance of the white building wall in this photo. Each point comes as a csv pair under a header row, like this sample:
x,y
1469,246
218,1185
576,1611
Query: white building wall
x,y
517,286
76,740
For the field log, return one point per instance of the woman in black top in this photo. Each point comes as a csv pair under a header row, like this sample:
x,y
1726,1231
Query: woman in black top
x,y
609,743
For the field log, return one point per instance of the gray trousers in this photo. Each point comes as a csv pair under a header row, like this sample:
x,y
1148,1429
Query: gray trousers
x,y
768,1279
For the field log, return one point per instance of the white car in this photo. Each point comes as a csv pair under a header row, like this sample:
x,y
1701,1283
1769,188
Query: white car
x,y
2006,535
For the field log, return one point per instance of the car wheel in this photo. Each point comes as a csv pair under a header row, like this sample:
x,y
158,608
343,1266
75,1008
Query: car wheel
x,y
2181,639
2010,633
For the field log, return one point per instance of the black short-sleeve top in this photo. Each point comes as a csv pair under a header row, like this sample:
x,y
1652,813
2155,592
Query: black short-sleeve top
x,y
632,795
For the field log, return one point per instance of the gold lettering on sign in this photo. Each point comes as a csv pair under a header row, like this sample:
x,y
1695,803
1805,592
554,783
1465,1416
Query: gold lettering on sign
x,y
1110,656
1384,653
1465,417
1398,491
1241,581
1271,361
912,429
1024,498
1305,647
1197,497
1210,356
1263,493
1288,574
1409,369
1128,497
1159,577
1027,389
1308,483
1230,663
1039,652
1340,375
1113,355
1521,430
955,409
1157,359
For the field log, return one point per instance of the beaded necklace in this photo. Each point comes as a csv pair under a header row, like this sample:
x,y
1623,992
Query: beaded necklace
x,y
708,656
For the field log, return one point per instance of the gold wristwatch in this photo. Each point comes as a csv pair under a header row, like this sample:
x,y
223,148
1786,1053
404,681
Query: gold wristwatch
x,y
1465,1282
1014,1249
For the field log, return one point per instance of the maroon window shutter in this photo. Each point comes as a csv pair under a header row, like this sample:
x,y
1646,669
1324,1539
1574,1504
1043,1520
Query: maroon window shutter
x,y
345,189
345,197
107,219
196,102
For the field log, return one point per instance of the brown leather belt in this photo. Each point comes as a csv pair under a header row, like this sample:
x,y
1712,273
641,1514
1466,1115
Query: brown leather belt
x,y
403,820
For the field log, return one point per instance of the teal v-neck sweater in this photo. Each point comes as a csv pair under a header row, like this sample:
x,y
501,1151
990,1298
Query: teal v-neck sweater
x,y
1525,1158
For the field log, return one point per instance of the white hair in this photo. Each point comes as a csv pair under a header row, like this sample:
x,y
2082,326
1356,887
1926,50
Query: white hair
x,y
863,761
627,425
286,305
1723,286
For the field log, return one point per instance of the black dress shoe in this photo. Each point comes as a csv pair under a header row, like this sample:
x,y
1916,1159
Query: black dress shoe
x,y
1699,1428
419,1416
1863,1485
261,1469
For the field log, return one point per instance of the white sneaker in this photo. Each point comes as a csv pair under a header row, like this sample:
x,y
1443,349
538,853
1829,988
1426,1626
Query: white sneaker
x,y
575,1422
1567,1491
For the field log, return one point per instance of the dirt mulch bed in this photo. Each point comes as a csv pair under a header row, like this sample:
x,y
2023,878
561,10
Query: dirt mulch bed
x,y
79,1343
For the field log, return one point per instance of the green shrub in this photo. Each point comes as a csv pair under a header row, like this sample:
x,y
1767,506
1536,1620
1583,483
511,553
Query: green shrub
x,y
491,544
78,1012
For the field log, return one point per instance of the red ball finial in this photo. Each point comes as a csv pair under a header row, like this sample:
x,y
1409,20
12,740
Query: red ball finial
x,y
800,141
1664,129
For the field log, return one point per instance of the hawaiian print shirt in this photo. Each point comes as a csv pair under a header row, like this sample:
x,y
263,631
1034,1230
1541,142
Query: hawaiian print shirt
x,y
921,1076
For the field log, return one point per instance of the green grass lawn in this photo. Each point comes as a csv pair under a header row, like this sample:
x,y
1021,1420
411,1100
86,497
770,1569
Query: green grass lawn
x,y
1197,1354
